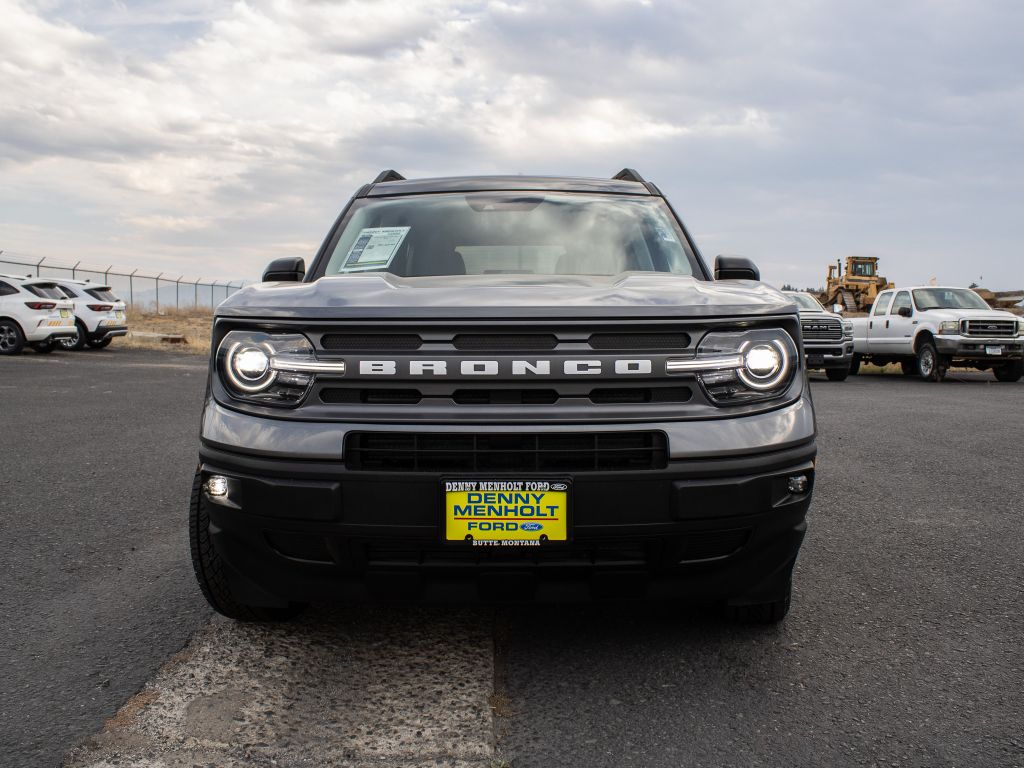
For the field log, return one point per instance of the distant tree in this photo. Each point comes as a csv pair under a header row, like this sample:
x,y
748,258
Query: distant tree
x,y
788,287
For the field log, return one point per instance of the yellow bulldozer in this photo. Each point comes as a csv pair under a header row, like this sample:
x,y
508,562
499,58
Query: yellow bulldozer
x,y
857,287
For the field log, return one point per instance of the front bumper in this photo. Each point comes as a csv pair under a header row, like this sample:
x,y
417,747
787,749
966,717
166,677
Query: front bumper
x,y
971,348
836,354
700,529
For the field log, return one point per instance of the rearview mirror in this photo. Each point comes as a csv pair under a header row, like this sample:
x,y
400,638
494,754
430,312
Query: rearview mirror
x,y
735,268
290,269
904,312
838,309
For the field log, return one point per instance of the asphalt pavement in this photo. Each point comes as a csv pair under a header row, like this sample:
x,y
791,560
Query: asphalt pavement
x,y
903,647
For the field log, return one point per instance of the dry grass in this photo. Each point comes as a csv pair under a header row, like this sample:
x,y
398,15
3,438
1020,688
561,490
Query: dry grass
x,y
193,324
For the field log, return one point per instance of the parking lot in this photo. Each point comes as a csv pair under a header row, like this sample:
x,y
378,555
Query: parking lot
x,y
903,647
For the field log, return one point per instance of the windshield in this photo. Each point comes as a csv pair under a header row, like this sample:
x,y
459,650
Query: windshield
x,y
45,290
948,298
515,233
806,301
103,294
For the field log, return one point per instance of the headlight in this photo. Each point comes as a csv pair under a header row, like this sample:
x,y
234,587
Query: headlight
x,y
270,368
742,367
847,329
949,327
1020,327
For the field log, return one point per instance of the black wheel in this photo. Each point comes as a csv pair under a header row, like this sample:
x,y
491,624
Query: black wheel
x,y
908,367
209,568
102,343
1009,371
77,341
929,364
837,374
855,365
761,613
44,347
12,340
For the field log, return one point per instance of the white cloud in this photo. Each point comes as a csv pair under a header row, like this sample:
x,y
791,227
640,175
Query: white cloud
x,y
195,133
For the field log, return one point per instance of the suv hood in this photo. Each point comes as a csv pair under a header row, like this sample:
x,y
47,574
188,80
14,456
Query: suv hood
x,y
383,295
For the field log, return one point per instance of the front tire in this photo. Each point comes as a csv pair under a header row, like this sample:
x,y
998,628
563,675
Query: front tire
x,y
100,344
209,568
12,340
855,365
1009,371
77,341
929,364
837,374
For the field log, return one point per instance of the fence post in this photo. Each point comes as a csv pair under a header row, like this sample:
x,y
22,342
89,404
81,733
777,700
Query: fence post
x,y
39,265
131,288
196,296
213,301
106,275
177,287
158,292
74,268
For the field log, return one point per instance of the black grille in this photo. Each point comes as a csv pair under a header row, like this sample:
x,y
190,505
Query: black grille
x,y
505,396
666,341
826,329
336,395
501,342
991,328
565,452
370,341
613,395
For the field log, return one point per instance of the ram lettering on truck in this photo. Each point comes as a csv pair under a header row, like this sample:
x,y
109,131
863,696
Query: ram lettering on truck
x,y
504,388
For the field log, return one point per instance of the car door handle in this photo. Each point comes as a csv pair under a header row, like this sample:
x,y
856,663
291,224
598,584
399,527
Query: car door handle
x,y
886,323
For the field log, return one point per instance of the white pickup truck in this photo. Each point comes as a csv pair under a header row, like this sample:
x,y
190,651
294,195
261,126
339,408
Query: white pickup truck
x,y
928,329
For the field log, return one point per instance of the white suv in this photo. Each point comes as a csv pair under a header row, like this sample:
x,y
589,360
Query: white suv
x,y
99,314
33,311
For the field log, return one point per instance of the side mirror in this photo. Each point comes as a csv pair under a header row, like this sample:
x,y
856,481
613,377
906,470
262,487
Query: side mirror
x,y
735,268
290,269
838,309
904,312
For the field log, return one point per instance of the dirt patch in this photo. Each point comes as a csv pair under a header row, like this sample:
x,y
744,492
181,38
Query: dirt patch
x,y
127,714
152,330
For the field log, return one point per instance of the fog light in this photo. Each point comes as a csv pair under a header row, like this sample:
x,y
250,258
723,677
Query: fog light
x,y
217,486
798,484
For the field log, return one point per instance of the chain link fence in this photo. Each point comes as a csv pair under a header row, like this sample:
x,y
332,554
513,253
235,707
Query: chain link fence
x,y
141,289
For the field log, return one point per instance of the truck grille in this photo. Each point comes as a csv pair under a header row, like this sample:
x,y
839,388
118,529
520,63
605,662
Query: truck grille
x,y
561,452
824,329
989,328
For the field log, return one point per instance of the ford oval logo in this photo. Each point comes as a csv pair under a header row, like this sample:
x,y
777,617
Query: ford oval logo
x,y
558,486
531,527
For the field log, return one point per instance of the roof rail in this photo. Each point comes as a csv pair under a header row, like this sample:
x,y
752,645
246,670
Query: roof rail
x,y
629,174
388,175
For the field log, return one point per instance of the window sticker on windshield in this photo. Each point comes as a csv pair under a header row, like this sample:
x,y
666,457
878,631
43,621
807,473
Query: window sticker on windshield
x,y
374,248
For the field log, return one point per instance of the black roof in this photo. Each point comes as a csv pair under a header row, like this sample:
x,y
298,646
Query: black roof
x,y
623,184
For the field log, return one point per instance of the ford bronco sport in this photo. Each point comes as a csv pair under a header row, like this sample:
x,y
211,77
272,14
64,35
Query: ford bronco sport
x,y
504,388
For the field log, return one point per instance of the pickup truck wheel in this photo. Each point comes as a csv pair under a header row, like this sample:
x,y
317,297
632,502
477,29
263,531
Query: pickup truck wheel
x,y
855,365
929,364
209,568
760,613
837,374
12,340
1009,371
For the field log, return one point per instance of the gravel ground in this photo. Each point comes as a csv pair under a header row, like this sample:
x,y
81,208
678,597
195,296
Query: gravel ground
x,y
903,646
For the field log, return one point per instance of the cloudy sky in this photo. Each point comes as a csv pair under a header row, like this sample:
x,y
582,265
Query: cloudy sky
x,y
207,138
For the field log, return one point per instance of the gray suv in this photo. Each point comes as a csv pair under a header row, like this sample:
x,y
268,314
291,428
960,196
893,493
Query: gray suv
x,y
504,388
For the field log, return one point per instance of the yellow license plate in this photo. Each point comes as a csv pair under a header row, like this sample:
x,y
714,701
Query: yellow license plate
x,y
524,512
65,313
